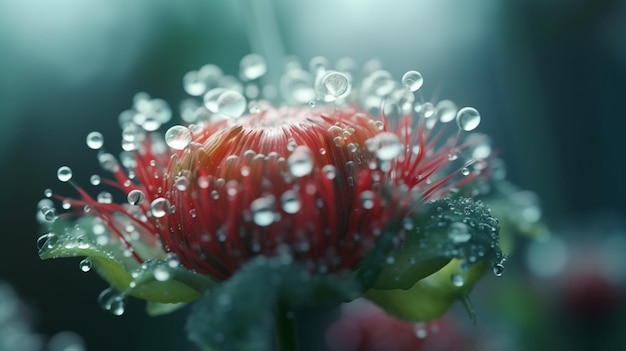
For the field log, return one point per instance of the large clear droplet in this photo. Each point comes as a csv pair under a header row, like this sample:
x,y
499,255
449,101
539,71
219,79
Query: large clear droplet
x,y
231,104
468,118
136,197
290,201
459,232
160,207
64,174
329,171
105,197
178,137
263,211
181,183
112,301
498,269
252,67
412,80
95,140
300,162
332,85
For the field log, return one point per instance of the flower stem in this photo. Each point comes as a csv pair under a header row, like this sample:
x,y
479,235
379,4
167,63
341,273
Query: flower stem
x,y
285,329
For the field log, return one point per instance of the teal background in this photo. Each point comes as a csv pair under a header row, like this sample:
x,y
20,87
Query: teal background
x,y
549,78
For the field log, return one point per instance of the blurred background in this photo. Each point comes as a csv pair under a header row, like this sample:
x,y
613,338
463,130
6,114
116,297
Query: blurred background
x,y
548,76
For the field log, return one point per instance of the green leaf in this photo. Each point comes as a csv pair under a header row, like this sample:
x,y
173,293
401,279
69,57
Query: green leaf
x,y
438,232
430,297
239,314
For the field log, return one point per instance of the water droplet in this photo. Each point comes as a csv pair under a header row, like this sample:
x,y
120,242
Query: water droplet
x,y
457,279
412,80
49,213
85,265
420,330
231,104
46,241
135,197
112,301
178,137
47,193
465,171
160,207
64,174
252,67
95,179
300,162
161,273
290,201
386,146
105,197
108,162
329,171
331,86
367,199
181,183
446,109
498,269
296,86
459,232
263,211
95,140
194,84
468,118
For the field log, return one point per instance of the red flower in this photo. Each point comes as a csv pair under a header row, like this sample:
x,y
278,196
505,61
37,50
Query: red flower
x,y
316,184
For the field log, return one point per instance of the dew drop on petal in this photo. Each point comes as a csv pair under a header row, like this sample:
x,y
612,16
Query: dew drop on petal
x,y
160,207
85,265
459,232
412,80
135,197
178,137
263,211
161,273
329,171
252,67
95,140
64,174
300,162
367,199
290,201
181,183
468,118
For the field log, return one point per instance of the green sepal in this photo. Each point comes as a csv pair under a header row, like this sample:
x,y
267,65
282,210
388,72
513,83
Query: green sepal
x,y
438,232
124,273
430,297
239,314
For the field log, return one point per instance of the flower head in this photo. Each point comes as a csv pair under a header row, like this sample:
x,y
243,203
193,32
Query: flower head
x,y
337,169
